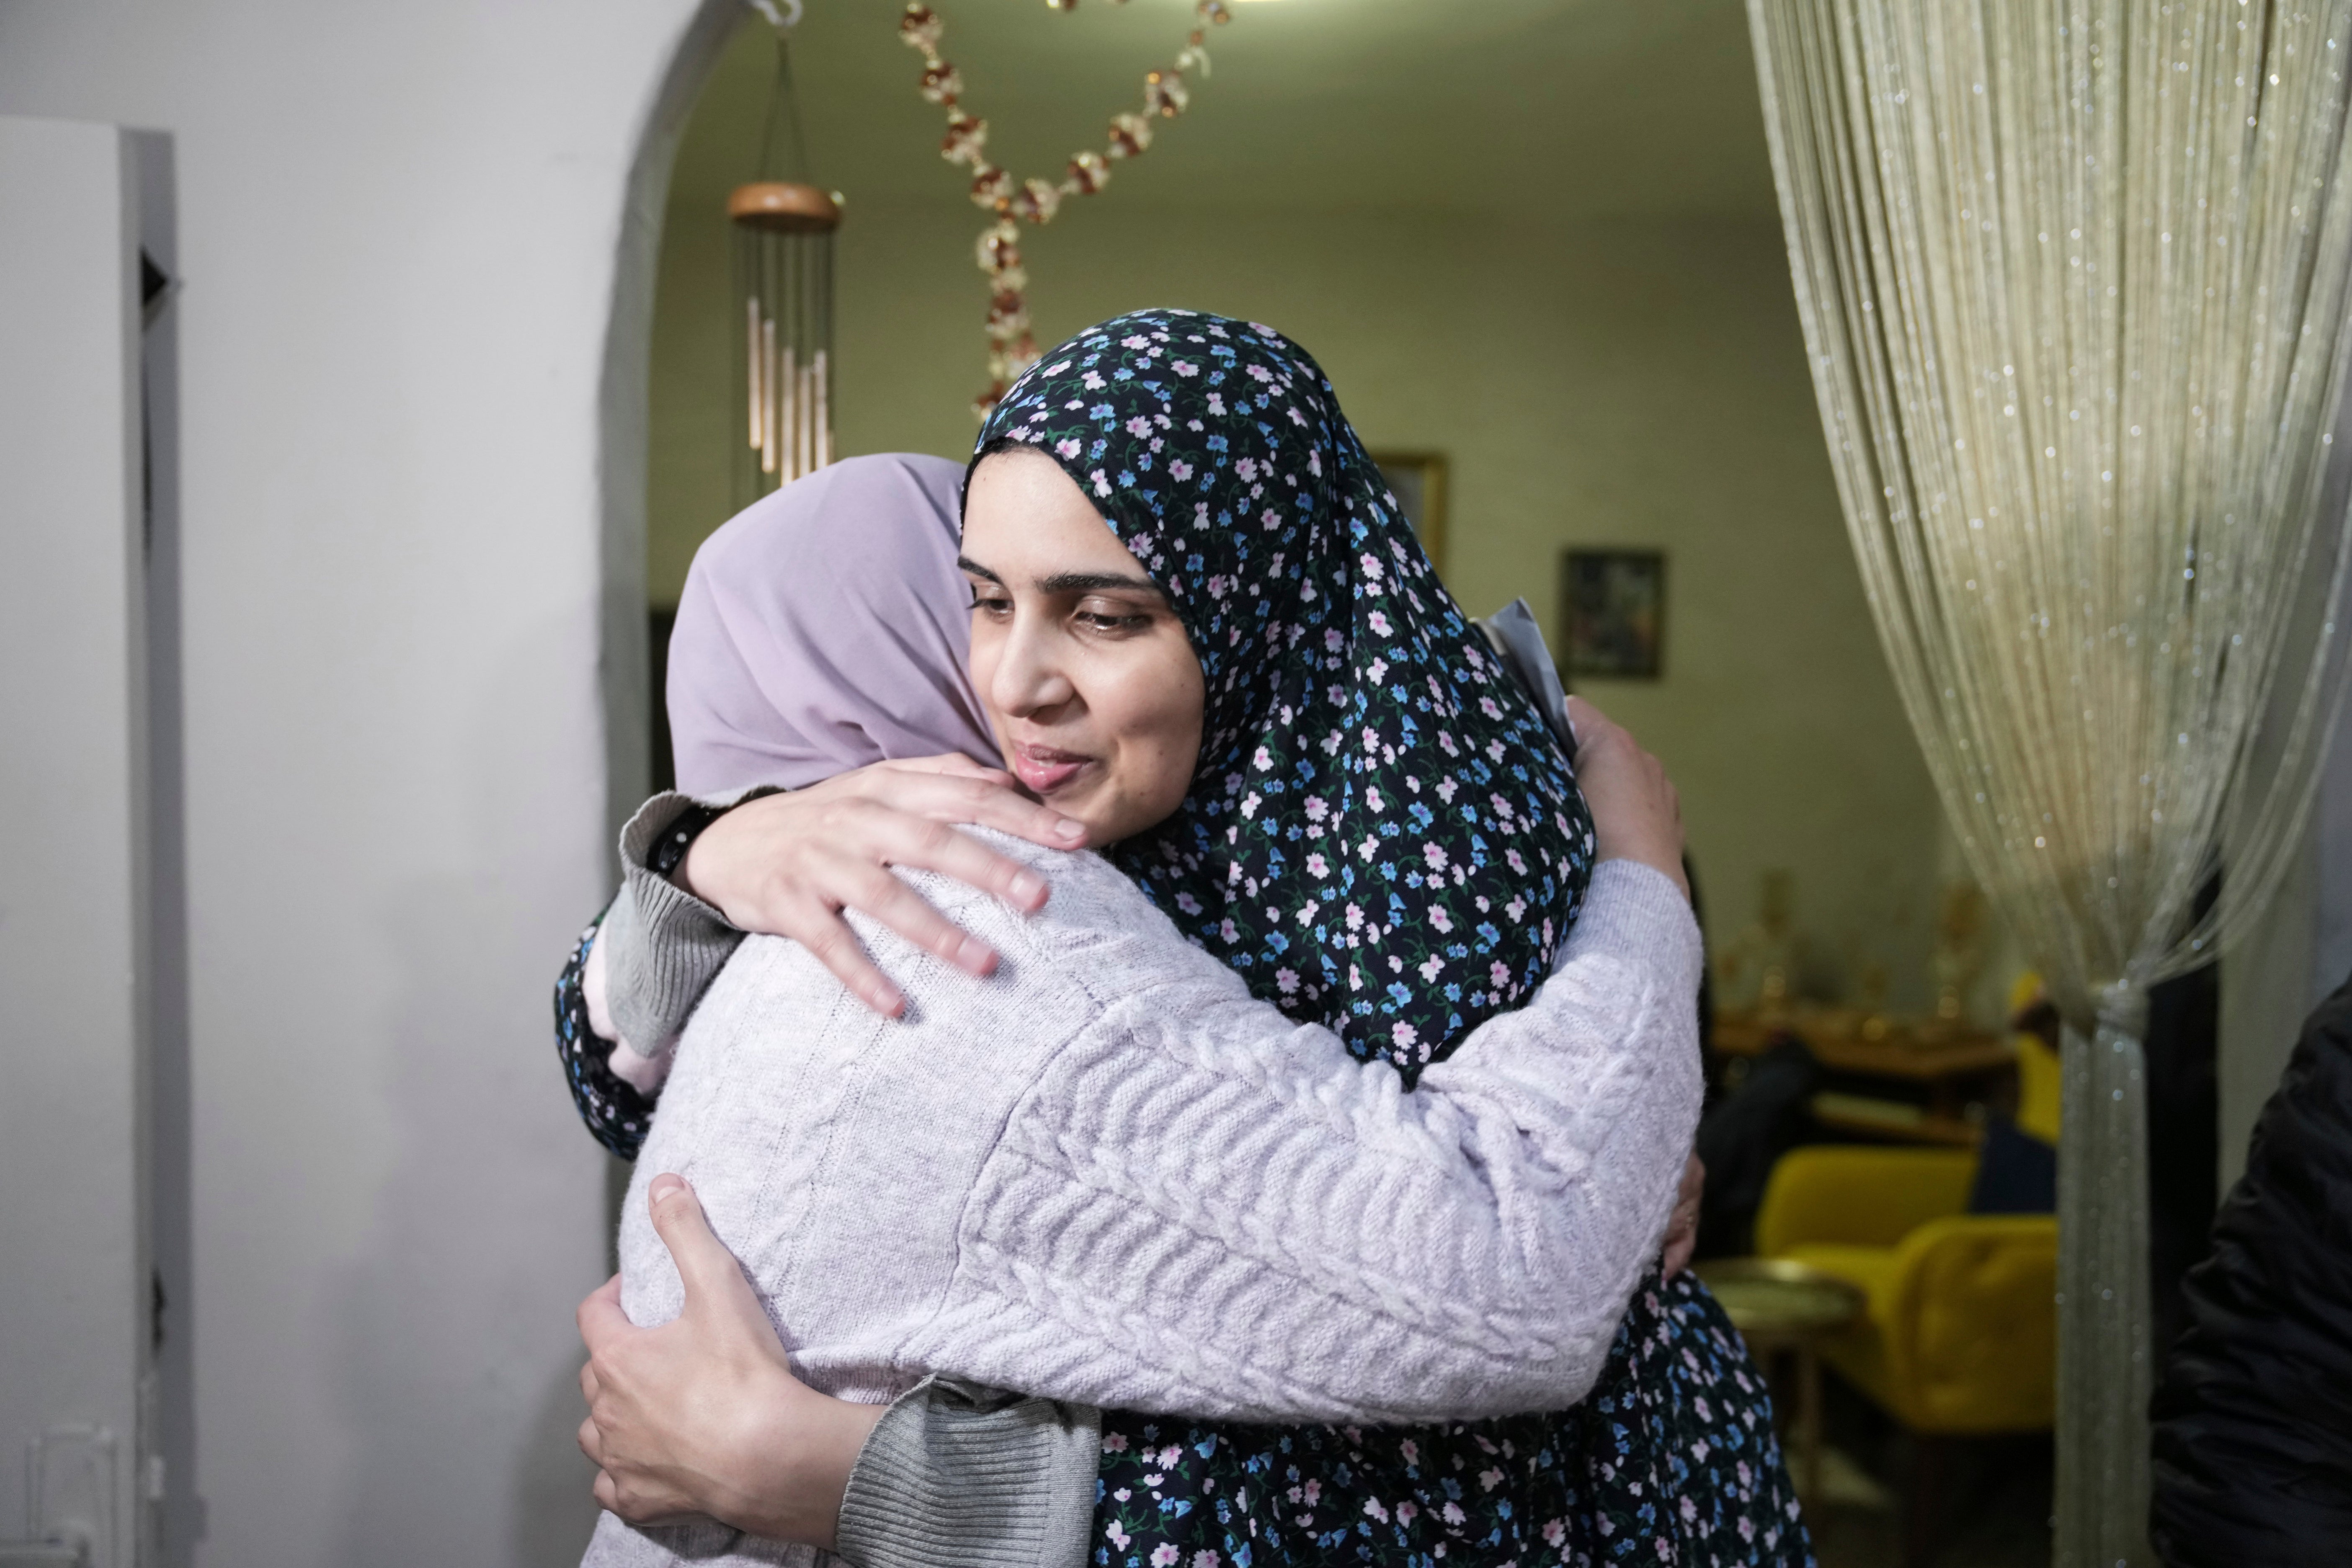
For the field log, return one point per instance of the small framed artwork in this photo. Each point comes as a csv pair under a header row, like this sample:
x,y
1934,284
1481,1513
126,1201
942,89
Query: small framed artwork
x,y
1612,613
1417,480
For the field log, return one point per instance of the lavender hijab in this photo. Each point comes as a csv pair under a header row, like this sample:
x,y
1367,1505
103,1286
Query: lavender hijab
x,y
825,627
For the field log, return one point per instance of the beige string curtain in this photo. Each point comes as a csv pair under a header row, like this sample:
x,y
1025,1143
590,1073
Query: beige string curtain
x,y
2072,279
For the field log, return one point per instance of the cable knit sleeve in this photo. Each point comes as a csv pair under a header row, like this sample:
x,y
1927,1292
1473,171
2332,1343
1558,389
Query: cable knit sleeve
x,y
661,943
1201,1208
1109,1175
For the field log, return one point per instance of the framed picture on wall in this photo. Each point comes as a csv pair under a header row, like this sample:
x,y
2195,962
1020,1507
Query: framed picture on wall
x,y
1417,480
1612,613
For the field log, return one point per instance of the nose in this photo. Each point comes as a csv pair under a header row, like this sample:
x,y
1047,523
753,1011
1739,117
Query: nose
x,y
1030,681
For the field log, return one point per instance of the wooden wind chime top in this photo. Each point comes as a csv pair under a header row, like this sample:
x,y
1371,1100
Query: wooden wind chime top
x,y
784,207
1012,347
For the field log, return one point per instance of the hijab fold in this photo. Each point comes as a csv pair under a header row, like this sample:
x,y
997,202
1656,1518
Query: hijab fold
x,y
824,627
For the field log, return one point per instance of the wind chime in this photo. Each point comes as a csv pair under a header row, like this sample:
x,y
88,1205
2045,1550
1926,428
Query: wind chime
x,y
784,274
1011,348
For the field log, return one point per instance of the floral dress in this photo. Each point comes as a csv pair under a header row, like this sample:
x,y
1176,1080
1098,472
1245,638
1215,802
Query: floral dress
x,y
618,1116
1671,1460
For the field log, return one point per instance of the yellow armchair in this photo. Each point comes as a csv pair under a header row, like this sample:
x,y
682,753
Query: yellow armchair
x,y
1961,1331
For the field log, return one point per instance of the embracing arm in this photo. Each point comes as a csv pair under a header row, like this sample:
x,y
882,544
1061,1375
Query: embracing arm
x,y
952,1474
1111,1175
696,875
1351,1252
1199,1208
925,1494
632,979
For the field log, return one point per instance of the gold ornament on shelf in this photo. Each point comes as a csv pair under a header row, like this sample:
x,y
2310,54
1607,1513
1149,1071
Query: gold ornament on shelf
x,y
1958,959
1011,348
1758,969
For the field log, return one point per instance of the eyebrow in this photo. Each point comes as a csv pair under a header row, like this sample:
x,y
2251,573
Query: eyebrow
x,y
1072,582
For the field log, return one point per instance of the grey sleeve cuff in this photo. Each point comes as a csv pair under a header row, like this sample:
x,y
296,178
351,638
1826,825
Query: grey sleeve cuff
x,y
663,946
957,1476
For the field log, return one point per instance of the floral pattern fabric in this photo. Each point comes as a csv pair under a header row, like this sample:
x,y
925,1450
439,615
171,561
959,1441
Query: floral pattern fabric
x,y
1383,834
618,1116
1671,1460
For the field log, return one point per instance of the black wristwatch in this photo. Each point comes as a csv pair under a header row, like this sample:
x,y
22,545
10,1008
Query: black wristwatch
x,y
670,848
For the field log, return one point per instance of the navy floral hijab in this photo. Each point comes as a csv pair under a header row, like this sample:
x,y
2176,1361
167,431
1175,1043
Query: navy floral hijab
x,y
1383,834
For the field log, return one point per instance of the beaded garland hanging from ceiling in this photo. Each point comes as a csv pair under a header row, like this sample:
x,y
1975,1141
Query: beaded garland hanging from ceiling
x,y
1011,347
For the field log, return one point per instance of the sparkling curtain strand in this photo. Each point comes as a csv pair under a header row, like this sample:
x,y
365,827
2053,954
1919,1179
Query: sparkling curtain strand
x,y
2072,276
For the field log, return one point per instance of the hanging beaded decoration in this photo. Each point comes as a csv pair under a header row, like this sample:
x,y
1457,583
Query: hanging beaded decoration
x,y
1011,347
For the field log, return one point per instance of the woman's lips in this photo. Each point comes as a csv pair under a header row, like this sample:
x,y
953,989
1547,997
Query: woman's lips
x,y
1045,768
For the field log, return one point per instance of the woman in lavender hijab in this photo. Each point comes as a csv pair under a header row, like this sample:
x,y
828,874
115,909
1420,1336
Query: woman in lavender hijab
x,y
753,705
820,642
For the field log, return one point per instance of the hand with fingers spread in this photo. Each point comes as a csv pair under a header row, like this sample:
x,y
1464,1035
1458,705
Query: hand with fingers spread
x,y
702,1417
787,865
1636,813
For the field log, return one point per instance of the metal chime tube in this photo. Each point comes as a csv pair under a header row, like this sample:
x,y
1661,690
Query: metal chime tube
x,y
752,376
796,407
784,274
796,375
821,325
824,414
767,402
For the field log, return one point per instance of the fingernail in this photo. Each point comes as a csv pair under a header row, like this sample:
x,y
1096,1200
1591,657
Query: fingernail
x,y
1069,831
1028,889
976,955
663,1185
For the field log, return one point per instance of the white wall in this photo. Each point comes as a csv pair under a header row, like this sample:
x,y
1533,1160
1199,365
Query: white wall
x,y
73,883
397,231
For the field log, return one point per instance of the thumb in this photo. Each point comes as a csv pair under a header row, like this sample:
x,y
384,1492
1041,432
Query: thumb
x,y
1586,722
709,1272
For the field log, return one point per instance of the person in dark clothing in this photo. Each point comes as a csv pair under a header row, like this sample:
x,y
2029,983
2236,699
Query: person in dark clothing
x,y
1742,1135
2253,1459
2184,1138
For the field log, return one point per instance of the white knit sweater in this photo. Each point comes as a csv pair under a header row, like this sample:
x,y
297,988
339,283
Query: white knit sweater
x,y
1107,1174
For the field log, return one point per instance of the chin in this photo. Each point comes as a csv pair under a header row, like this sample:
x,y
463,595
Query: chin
x,y
1109,821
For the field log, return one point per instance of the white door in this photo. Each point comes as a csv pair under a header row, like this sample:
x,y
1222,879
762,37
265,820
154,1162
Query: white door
x,y
75,1275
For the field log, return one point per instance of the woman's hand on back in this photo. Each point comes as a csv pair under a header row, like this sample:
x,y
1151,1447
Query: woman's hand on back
x,y
787,865
702,1417
1636,813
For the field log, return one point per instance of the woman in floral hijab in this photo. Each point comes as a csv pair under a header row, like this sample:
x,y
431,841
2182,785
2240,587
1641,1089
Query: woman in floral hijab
x,y
1383,836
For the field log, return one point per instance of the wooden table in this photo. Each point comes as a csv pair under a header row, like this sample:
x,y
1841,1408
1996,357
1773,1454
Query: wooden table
x,y
1955,1067
1779,1308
